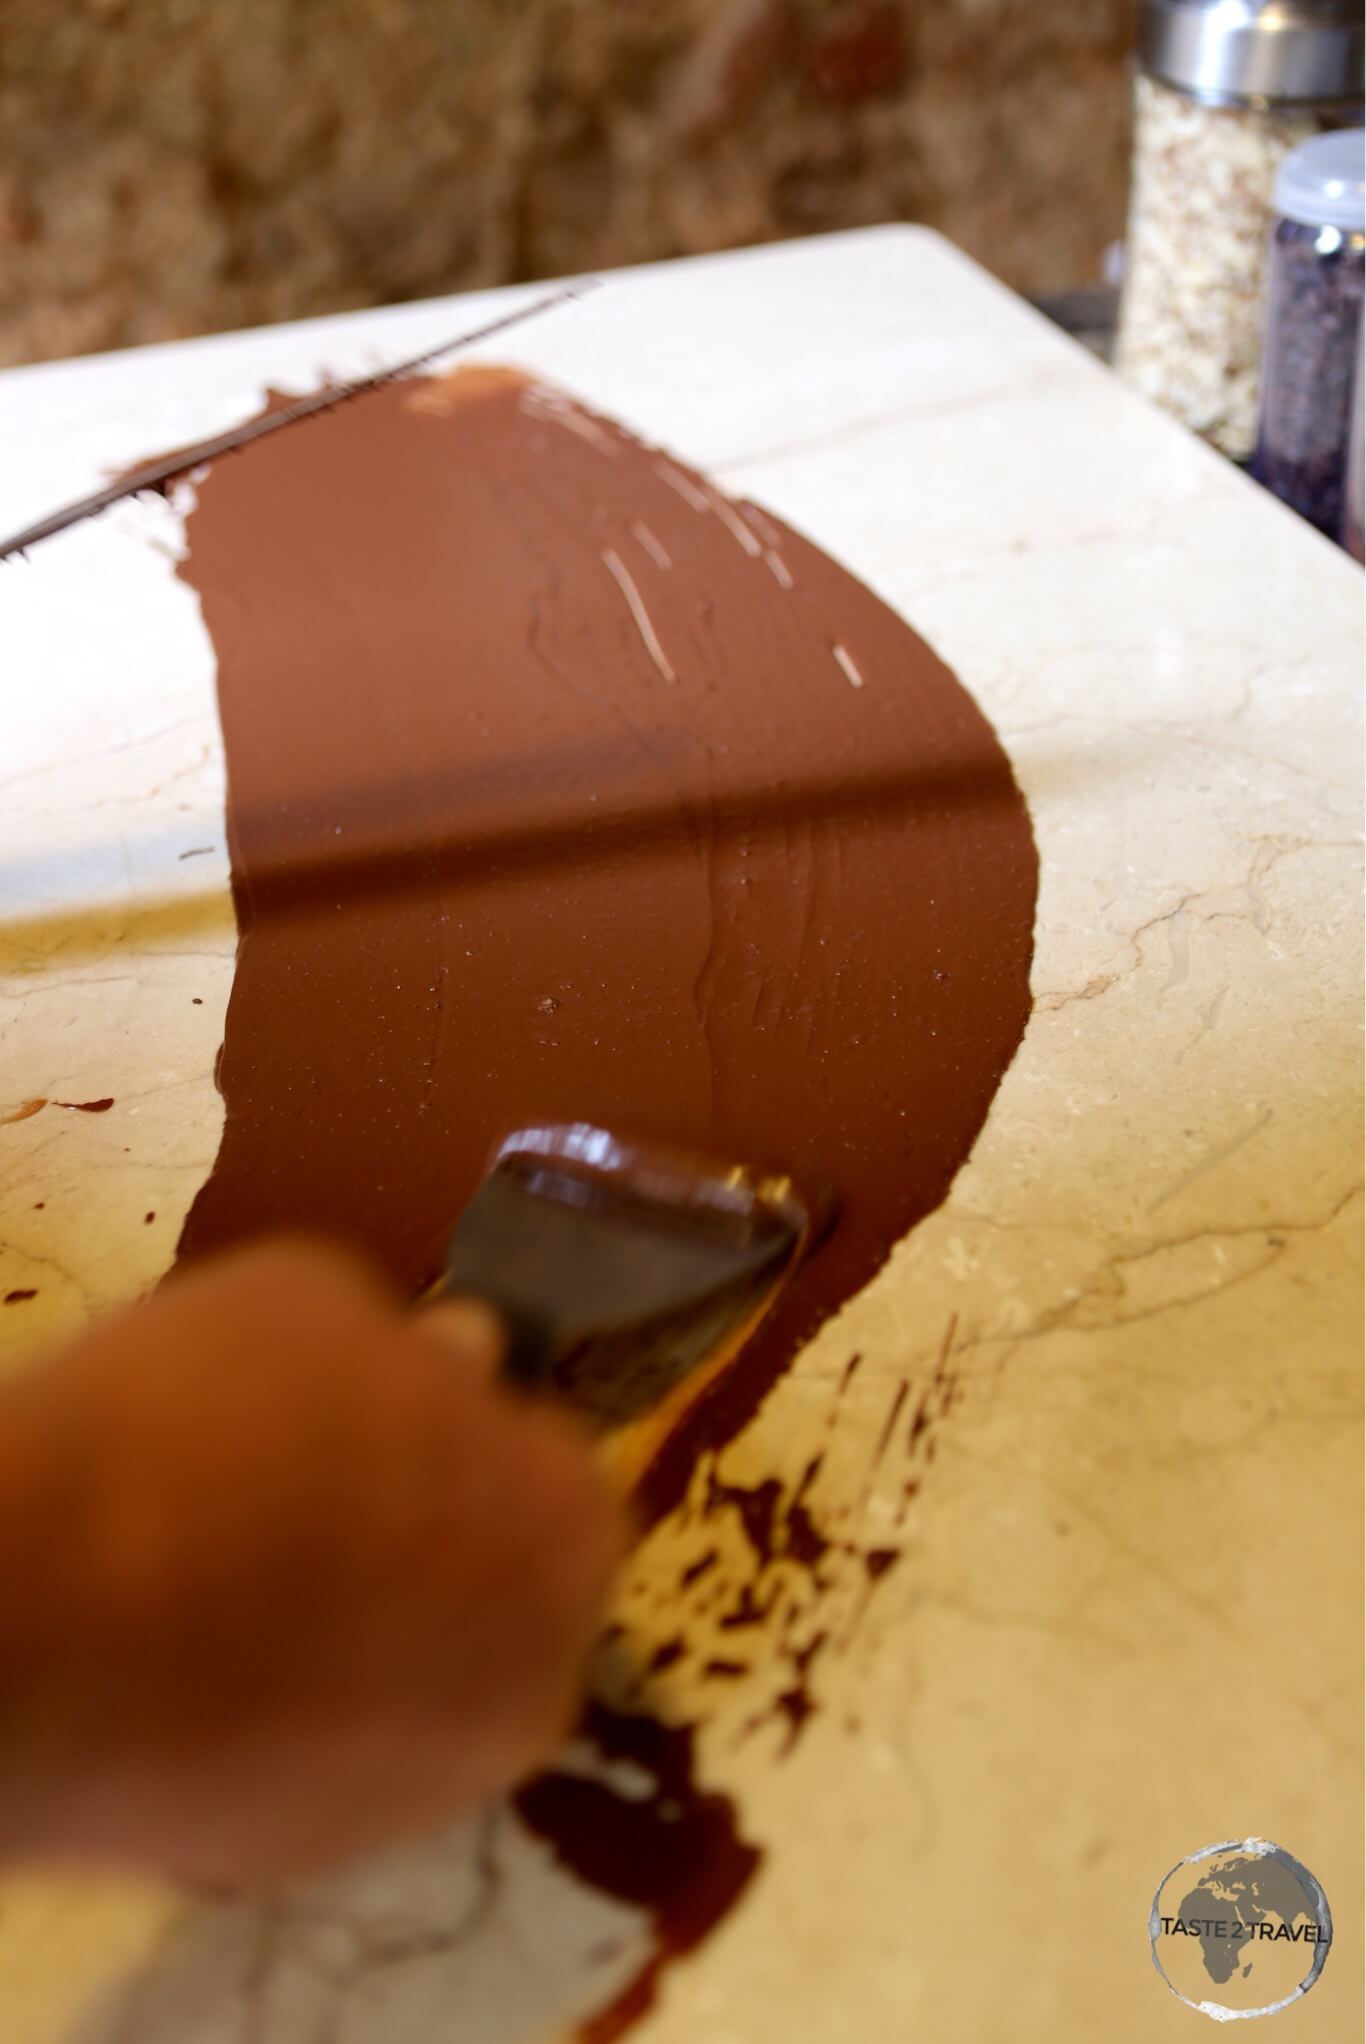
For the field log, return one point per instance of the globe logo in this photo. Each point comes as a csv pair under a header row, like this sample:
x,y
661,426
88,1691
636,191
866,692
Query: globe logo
x,y
1240,1929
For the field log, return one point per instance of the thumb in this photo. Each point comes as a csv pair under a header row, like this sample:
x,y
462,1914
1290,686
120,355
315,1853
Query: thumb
x,y
467,1331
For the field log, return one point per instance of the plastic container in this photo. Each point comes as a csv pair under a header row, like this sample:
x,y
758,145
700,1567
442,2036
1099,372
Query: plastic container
x,y
1354,505
1226,90
1313,326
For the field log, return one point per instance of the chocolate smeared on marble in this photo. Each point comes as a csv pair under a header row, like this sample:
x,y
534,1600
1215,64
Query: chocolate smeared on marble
x,y
561,786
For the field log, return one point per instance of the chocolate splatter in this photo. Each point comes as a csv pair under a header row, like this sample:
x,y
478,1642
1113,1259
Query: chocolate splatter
x,y
18,1296
23,1112
675,1851
805,1543
747,1610
148,1218
802,1587
757,1506
877,1561
909,1493
696,1569
666,1654
938,1398
803,1540
794,1705
87,1106
802,1657
565,717
920,1420
902,1393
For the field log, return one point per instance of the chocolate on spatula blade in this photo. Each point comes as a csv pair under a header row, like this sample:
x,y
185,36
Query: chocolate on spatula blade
x,y
627,1274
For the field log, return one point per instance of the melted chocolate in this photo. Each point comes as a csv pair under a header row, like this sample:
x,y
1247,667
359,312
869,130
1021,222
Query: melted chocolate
x,y
560,786
674,1851
666,1653
920,1423
757,1506
902,1393
747,1610
806,1544
698,1568
795,1706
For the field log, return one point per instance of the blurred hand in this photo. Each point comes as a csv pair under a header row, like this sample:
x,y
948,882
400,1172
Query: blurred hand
x,y
284,1575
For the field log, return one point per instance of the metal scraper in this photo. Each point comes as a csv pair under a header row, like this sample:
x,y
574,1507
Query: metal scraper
x,y
155,475
626,1274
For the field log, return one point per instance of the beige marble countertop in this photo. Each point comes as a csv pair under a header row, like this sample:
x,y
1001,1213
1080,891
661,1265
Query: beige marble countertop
x,y
1126,1619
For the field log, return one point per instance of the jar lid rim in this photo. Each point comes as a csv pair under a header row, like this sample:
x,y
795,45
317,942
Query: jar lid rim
x,y
1256,52
1323,182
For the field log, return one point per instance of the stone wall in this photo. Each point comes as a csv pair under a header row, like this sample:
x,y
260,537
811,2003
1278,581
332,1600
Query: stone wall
x,y
173,166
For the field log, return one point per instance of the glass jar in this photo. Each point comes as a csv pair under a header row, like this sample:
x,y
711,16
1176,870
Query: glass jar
x,y
1313,326
1354,505
1227,89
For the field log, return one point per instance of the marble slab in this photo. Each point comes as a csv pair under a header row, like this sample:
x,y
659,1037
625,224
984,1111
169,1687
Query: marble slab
x,y
1125,1618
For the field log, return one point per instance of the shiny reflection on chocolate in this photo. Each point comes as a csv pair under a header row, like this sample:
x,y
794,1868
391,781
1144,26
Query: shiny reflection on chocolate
x,y
561,786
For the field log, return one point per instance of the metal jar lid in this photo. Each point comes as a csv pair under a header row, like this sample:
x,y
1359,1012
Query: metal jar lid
x,y
1256,52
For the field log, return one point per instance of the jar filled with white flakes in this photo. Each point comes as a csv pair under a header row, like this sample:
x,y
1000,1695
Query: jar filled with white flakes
x,y
1225,90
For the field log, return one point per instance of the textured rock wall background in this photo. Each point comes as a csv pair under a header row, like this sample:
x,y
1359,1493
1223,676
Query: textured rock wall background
x,y
173,166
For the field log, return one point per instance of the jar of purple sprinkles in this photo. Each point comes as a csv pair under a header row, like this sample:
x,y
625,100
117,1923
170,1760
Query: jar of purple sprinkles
x,y
1313,326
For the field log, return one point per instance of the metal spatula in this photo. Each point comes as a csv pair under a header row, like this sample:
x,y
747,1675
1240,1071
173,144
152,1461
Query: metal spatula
x,y
626,1274
155,475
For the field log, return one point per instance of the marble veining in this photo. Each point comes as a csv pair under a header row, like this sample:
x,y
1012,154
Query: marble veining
x,y
1126,1529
